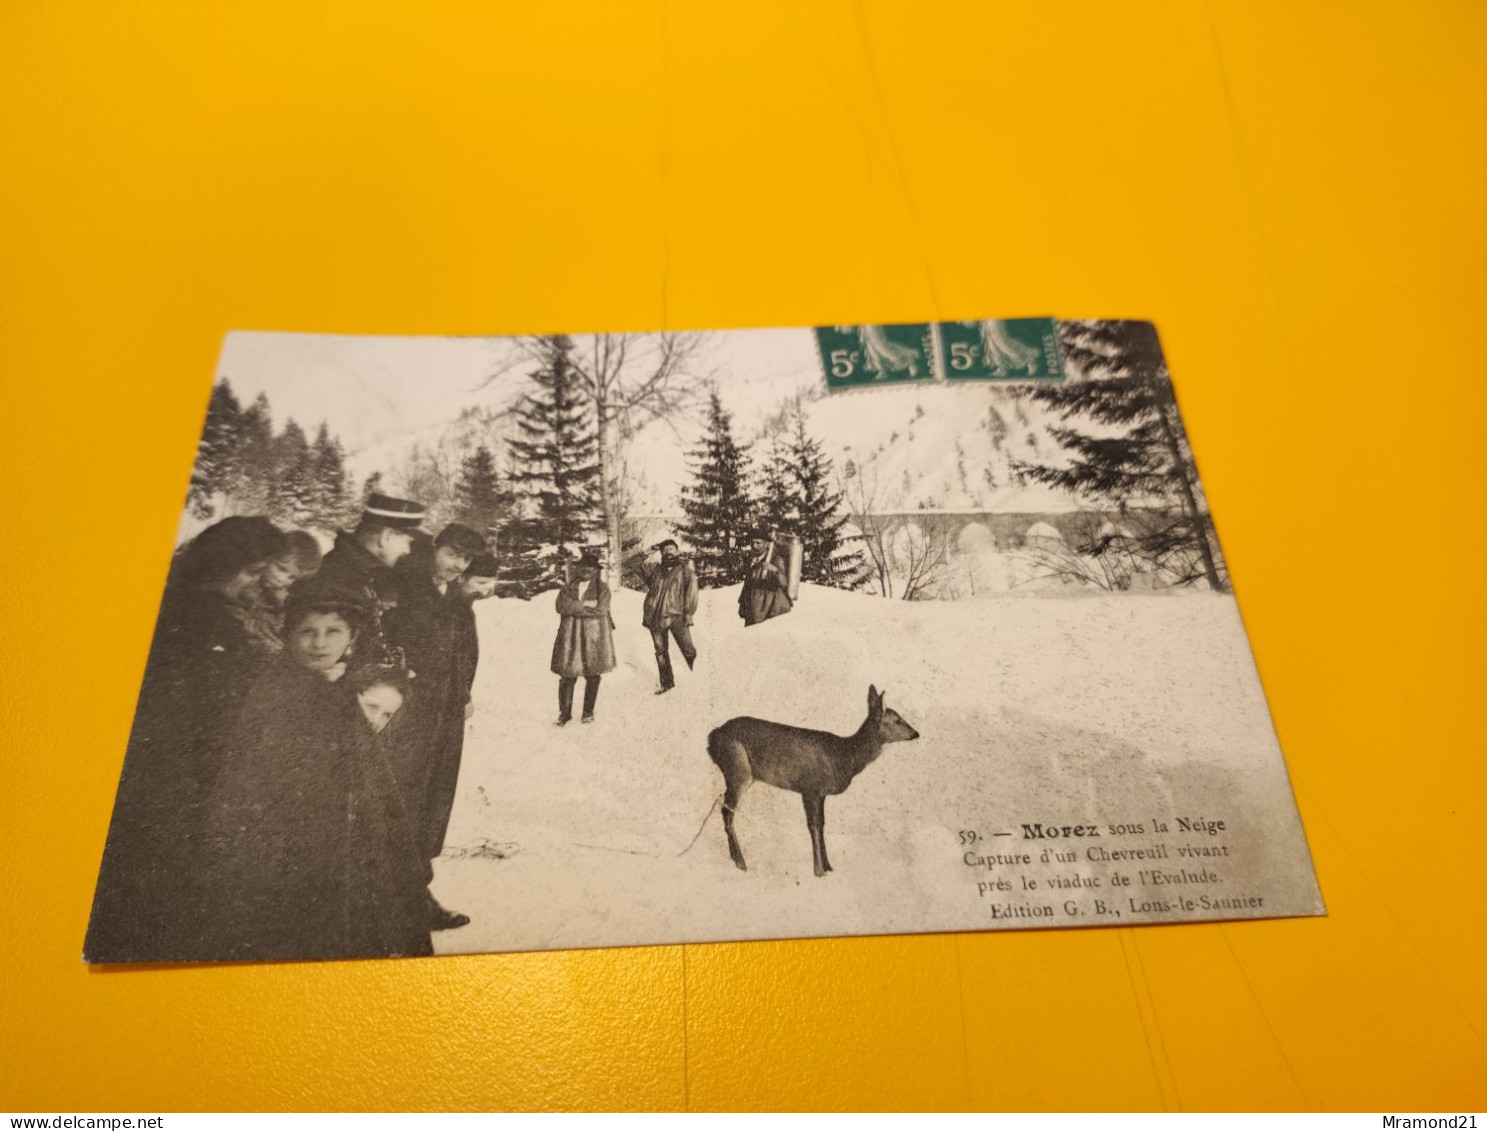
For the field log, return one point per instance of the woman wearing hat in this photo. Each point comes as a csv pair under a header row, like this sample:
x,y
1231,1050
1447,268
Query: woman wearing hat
x,y
200,662
585,643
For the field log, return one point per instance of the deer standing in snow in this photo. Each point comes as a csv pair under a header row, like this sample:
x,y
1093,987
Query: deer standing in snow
x,y
812,763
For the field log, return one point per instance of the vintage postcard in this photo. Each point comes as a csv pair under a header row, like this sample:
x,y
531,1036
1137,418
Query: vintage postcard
x,y
482,644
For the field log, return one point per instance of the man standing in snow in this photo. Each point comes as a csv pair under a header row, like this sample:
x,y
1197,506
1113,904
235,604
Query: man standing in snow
x,y
765,592
433,626
584,645
382,538
670,605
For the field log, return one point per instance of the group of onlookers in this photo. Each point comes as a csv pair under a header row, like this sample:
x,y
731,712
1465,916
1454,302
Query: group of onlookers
x,y
295,752
293,761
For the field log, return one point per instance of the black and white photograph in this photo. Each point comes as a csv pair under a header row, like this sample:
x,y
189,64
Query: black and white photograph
x,y
500,644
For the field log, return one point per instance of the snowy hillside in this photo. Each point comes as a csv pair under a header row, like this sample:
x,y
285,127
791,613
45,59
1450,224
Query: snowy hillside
x,y
949,445
1098,708
485,419
953,446
771,365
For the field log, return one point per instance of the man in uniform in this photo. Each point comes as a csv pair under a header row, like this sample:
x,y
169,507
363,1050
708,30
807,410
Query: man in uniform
x,y
670,605
429,625
382,538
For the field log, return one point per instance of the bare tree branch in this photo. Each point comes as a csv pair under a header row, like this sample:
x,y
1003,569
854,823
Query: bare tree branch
x,y
925,542
870,506
631,380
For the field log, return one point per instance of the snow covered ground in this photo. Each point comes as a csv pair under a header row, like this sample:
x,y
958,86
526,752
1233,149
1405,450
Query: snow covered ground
x,y
1090,710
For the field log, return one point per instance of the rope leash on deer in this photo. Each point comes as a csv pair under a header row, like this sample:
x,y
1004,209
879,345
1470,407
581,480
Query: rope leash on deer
x,y
659,855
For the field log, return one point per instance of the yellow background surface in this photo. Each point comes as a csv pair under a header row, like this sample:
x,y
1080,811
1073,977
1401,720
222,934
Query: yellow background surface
x,y
1293,192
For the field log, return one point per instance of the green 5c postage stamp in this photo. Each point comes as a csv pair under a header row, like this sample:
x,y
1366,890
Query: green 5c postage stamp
x,y
857,356
1001,349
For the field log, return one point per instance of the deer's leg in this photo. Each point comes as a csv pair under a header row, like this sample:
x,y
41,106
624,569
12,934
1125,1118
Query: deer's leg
x,y
814,808
732,795
821,831
730,756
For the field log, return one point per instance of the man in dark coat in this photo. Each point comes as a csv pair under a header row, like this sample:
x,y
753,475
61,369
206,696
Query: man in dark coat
x,y
382,538
433,626
765,588
670,605
476,584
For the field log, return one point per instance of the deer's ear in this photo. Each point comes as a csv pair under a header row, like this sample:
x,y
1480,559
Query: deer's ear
x,y
874,700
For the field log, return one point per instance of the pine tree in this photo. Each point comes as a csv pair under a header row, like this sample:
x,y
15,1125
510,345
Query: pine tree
x,y
996,424
479,499
216,452
1138,456
828,558
555,472
253,472
629,380
778,488
243,468
293,500
718,509
327,475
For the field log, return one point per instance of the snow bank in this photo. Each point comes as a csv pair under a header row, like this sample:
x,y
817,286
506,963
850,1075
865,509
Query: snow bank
x,y
1104,708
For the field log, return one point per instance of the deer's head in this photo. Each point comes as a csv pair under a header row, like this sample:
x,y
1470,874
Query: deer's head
x,y
888,724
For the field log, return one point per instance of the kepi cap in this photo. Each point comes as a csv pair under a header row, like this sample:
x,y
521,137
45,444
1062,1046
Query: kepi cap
x,y
404,514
